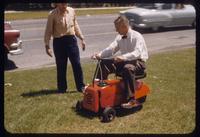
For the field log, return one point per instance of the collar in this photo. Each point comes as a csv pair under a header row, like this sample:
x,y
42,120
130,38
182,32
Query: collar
x,y
128,34
59,12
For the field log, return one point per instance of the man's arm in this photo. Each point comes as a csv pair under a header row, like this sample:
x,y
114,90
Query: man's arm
x,y
110,50
77,29
48,30
47,35
78,32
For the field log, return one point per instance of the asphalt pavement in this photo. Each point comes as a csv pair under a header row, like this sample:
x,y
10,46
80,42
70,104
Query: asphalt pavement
x,y
99,32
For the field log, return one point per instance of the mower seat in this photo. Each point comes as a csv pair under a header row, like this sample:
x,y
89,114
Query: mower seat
x,y
138,76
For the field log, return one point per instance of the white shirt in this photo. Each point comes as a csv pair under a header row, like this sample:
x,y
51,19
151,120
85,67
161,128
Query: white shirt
x,y
131,48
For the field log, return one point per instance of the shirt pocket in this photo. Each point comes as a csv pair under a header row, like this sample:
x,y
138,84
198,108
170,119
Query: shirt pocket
x,y
60,22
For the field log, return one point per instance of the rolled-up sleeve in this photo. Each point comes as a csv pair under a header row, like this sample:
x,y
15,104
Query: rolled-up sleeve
x,y
110,50
49,29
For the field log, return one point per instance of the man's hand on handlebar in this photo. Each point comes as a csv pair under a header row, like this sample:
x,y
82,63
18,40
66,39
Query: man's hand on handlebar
x,y
116,59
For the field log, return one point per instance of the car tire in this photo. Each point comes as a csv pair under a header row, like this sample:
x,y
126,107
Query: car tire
x,y
155,29
108,114
194,24
141,30
5,57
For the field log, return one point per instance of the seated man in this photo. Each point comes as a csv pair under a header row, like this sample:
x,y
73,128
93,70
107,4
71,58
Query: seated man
x,y
179,6
132,60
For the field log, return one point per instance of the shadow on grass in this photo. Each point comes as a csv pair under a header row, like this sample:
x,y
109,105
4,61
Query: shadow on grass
x,y
44,92
120,112
86,113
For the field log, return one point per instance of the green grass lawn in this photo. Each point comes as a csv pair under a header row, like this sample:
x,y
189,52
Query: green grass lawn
x,y
44,14
32,106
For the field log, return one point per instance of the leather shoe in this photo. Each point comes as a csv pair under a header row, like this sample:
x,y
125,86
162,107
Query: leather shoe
x,y
131,104
82,90
62,91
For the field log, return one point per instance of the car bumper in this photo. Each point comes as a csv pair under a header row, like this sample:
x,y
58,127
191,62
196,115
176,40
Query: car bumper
x,y
16,48
141,25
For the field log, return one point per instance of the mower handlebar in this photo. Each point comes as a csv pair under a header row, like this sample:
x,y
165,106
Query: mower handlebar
x,y
101,59
106,59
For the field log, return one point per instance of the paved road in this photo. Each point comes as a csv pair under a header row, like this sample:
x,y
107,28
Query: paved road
x,y
98,31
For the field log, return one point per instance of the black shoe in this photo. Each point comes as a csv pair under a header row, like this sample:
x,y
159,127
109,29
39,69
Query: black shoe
x,y
61,91
82,90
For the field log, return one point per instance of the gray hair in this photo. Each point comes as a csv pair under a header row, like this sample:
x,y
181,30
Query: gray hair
x,y
122,19
53,5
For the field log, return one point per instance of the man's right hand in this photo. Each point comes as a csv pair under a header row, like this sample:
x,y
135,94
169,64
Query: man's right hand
x,y
95,56
48,51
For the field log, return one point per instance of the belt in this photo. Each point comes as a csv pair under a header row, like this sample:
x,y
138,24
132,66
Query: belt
x,y
64,36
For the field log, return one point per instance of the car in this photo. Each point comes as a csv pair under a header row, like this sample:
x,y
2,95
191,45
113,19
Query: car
x,y
12,43
160,15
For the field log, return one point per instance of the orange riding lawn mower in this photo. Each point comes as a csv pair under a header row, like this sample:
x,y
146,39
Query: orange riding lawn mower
x,y
104,97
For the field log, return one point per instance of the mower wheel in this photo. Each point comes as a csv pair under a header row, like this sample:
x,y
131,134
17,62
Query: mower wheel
x,y
108,114
79,106
142,99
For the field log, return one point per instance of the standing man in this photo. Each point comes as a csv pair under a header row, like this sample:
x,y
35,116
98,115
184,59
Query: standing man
x,y
131,62
63,26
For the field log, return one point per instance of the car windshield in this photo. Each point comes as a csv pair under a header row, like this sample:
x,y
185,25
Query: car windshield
x,y
148,5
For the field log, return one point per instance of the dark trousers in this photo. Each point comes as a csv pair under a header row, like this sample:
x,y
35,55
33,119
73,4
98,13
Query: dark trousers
x,y
127,70
64,48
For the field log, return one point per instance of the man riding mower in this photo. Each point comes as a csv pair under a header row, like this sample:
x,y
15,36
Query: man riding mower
x,y
105,96
126,92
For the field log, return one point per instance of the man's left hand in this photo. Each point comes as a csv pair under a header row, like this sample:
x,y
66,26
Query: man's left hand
x,y
118,59
83,44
